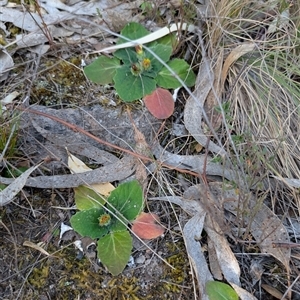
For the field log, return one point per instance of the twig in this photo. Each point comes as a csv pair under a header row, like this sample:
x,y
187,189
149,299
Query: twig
x,y
44,28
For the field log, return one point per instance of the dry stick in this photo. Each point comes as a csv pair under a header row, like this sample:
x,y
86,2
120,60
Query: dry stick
x,y
285,245
76,128
45,30
203,176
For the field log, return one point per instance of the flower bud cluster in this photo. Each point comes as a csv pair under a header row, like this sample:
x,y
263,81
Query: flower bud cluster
x,y
143,63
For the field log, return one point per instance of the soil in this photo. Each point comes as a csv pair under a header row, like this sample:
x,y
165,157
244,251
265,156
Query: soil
x,y
36,215
66,273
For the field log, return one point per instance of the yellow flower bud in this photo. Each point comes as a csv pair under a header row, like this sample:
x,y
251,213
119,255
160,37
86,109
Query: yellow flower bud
x,y
146,63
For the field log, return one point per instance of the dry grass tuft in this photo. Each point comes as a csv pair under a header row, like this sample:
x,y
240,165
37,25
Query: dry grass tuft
x,y
262,86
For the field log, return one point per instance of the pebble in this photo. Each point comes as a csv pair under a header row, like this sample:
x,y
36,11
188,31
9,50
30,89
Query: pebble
x,y
141,259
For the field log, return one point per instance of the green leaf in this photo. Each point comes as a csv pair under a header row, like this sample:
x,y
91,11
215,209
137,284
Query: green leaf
x,y
150,73
117,225
102,70
169,40
127,199
10,172
167,80
163,52
131,87
220,291
86,223
114,251
127,55
146,7
133,31
86,198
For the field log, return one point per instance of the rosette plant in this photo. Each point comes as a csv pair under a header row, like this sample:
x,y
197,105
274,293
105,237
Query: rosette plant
x,y
137,73
107,219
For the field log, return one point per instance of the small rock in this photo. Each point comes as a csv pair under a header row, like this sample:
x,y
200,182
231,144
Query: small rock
x,y
141,259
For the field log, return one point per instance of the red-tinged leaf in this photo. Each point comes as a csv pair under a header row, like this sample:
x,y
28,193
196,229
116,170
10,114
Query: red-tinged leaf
x,y
145,226
160,103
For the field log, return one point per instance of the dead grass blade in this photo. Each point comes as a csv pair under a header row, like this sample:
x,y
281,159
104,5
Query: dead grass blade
x,y
234,55
36,247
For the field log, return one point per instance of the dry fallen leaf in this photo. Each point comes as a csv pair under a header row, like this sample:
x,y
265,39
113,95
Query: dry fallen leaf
x,y
198,148
117,171
273,291
78,166
64,228
191,231
87,118
211,102
141,147
227,261
195,163
59,136
293,182
153,36
160,103
243,294
9,98
213,225
8,194
6,63
193,110
213,261
265,226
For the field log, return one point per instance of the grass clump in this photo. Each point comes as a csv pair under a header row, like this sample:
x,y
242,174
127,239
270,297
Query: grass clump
x,y
262,86
8,134
260,42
